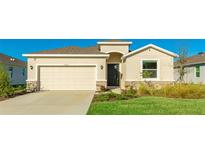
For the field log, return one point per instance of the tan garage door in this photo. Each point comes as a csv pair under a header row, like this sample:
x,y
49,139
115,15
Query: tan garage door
x,y
67,78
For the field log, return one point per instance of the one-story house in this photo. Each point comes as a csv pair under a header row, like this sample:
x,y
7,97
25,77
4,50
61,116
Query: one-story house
x,y
16,69
194,68
108,64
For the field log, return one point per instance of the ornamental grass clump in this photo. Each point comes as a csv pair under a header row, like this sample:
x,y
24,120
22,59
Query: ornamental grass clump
x,y
184,91
179,90
146,89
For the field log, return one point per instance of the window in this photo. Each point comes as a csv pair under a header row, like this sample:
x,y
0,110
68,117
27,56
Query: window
x,y
23,71
149,69
198,71
11,72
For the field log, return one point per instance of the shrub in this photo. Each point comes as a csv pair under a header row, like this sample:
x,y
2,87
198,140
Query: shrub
x,y
193,91
109,96
102,88
5,88
130,93
19,87
8,91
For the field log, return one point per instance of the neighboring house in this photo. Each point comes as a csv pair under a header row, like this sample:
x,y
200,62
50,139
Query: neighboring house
x,y
106,65
194,69
16,69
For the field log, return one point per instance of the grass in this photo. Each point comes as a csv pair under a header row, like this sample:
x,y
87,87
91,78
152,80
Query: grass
x,y
149,105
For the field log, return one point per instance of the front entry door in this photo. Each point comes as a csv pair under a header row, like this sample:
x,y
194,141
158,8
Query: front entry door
x,y
113,75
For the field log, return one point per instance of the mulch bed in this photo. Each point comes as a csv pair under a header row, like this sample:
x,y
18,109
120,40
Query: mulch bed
x,y
16,94
2,98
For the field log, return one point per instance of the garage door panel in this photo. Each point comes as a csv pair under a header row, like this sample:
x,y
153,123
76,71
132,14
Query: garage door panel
x,y
68,78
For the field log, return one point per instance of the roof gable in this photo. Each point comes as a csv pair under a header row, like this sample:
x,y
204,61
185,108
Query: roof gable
x,y
8,60
150,46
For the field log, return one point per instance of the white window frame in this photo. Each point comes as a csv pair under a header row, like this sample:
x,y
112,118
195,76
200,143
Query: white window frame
x,y
158,70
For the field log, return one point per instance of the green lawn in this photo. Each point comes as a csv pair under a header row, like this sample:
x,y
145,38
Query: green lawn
x,y
149,106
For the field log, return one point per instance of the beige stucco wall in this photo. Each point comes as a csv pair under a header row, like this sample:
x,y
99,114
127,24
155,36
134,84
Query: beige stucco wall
x,y
101,75
133,65
124,49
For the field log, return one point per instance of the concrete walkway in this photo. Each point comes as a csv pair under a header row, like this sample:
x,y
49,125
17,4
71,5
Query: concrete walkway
x,y
48,103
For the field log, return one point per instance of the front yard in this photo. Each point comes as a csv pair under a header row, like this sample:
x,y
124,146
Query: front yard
x,y
149,105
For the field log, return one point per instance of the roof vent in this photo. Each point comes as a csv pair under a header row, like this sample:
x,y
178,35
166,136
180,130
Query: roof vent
x,y
12,59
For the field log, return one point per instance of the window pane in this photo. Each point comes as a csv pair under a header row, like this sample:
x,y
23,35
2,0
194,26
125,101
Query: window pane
x,y
10,68
197,71
197,68
11,72
149,73
197,74
147,64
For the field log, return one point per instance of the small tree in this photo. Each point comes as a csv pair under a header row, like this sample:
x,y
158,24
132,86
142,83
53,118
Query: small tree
x,y
147,74
5,88
180,63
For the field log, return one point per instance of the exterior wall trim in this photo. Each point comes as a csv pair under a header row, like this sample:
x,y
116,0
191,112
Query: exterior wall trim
x,y
115,51
101,80
114,43
152,46
30,80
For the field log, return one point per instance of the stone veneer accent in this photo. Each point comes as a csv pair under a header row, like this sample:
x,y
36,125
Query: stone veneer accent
x,y
32,86
136,84
101,85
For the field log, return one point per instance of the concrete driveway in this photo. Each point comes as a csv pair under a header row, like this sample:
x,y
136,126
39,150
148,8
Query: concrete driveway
x,y
48,103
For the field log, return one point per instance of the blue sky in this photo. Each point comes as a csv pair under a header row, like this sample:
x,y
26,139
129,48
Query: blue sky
x,y
16,47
